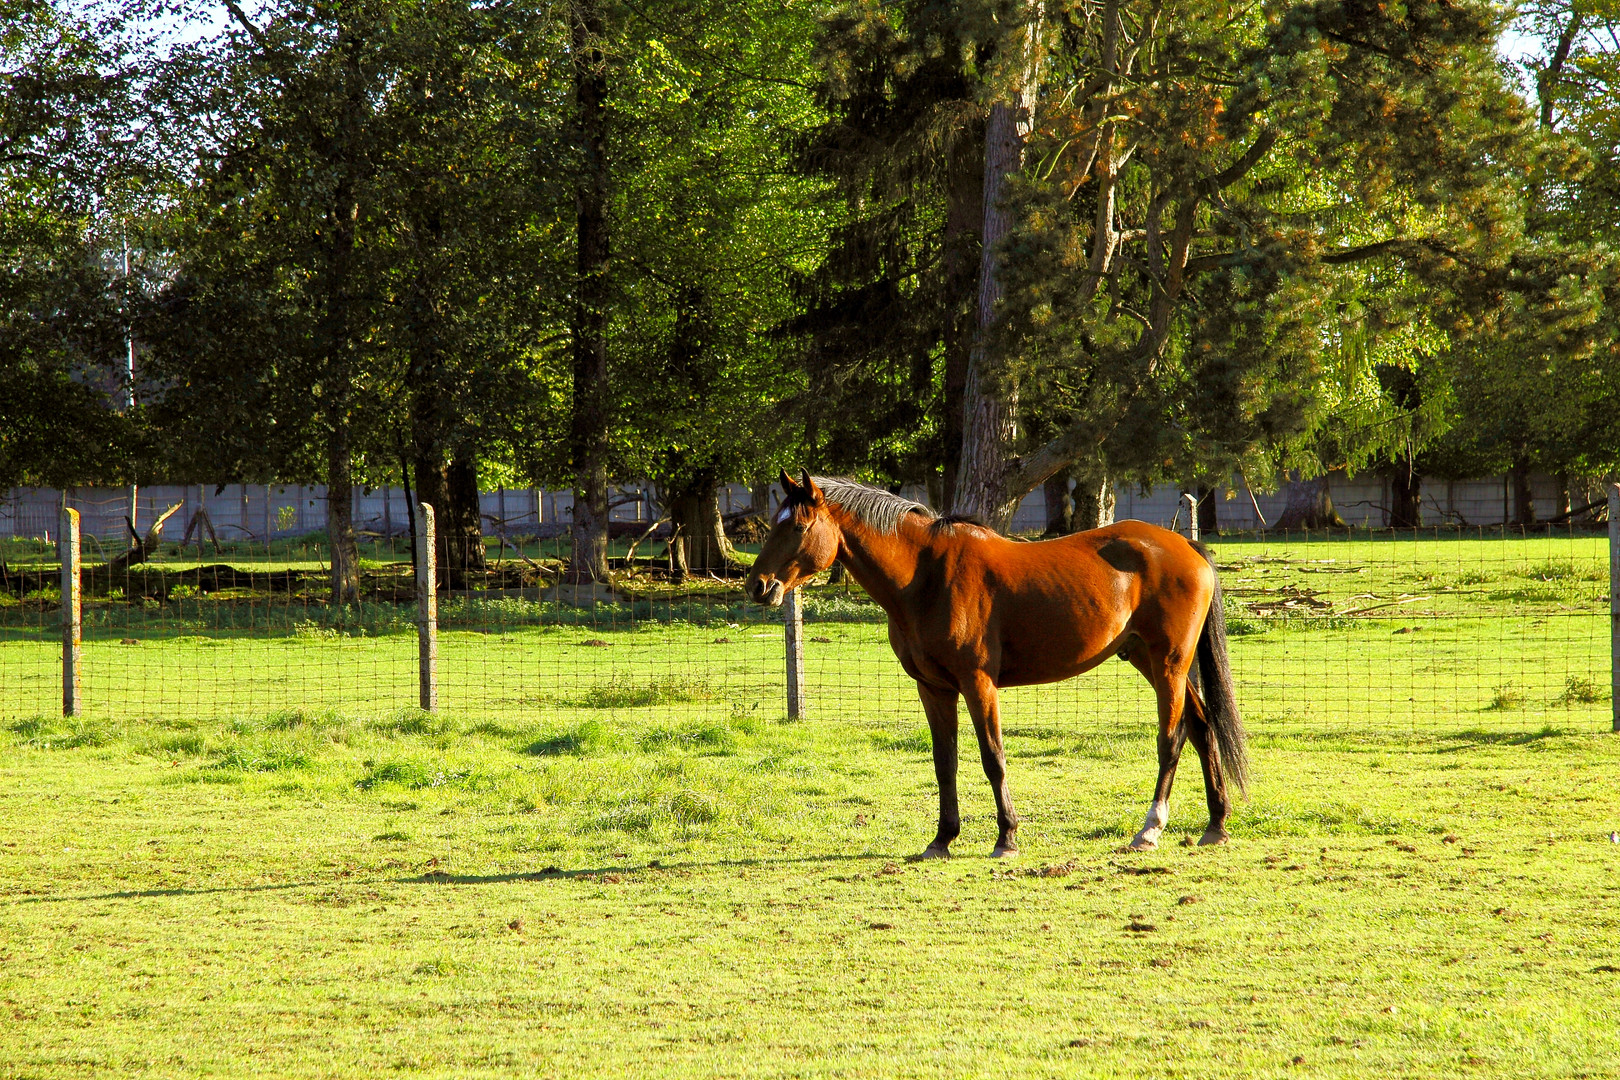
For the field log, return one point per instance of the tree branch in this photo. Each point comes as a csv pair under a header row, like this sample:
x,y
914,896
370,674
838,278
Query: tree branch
x,y
1394,244
252,31
1547,78
1240,168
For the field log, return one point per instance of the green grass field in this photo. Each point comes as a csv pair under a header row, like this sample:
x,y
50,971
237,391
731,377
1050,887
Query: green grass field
x,y
316,895
610,854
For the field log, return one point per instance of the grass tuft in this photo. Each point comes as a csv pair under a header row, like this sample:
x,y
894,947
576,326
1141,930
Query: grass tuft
x,y
1268,817
583,739
911,742
620,693
1579,690
1507,696
266,758
65,733
416,776
712,737
414,722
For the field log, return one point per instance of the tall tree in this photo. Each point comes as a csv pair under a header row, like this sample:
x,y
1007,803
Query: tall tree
x,y
889,313
274,298
592,415
1197,183
1544,393
470,132
710,217
989,395
77,177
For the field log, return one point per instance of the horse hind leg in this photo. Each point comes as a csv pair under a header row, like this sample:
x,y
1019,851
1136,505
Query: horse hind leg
x,y
1209,757
1169,681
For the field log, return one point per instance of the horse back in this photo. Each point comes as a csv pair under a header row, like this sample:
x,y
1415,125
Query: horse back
x,y
1047,610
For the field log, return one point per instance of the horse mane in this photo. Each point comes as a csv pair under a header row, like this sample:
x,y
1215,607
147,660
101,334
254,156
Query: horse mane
x,y
878,509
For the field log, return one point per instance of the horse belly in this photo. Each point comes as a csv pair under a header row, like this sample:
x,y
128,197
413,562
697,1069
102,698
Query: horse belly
x,y
1053,642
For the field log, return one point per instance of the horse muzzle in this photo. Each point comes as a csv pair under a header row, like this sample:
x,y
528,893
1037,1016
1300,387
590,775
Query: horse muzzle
x,y
765,592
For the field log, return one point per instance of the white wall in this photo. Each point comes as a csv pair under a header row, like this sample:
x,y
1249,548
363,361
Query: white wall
x,y
255,510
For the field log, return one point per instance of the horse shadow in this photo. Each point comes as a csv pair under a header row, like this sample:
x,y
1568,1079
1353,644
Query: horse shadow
x,y
553,873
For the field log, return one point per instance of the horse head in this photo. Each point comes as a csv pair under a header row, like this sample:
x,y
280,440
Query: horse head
x,y
803,541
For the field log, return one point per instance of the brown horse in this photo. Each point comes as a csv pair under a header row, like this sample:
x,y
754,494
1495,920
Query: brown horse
x,y
971,611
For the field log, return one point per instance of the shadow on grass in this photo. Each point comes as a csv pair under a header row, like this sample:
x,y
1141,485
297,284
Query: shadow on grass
x,y
552,873
1468,740
136,894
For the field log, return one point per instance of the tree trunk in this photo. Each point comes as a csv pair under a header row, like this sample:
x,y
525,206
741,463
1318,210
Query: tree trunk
x,y
1209,523
1059,505
433,488
700,540
461,534
588,429
964,216
1524,500
759,498
340,521
337,339
1093,499
989,407
1309,506
410,501
1405,495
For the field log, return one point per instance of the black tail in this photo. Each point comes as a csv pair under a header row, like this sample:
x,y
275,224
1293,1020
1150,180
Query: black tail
x,y
1220,699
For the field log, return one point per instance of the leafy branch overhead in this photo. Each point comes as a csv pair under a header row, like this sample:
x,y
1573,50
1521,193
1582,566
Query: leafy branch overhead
x,y
987,247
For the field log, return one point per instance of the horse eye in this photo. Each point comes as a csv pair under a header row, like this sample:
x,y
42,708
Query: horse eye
x,y
798,527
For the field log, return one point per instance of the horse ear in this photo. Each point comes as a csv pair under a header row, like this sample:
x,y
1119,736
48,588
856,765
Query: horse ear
x,y
789,485
810,486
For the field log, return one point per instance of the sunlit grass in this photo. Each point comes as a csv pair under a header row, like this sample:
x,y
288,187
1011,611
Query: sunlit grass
x,y
320,892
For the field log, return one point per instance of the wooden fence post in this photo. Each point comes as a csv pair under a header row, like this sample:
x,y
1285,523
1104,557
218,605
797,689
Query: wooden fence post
x,y
793,619
1614,603
427,609
67,547
1192,515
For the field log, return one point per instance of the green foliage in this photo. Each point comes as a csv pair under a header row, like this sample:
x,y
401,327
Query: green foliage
x,y
73,181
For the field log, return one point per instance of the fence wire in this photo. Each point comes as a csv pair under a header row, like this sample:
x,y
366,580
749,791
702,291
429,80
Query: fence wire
x,y
1416,631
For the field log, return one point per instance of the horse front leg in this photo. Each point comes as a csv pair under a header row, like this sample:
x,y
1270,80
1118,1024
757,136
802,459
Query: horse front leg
x,y
940,706
984,705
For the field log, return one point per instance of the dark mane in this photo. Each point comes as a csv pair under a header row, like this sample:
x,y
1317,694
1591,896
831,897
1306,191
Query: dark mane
x,y
944,521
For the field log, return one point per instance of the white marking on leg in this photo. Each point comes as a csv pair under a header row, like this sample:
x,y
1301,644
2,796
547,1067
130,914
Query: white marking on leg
x,y
1158,816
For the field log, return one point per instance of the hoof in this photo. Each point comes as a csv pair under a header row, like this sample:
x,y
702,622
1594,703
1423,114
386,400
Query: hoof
x,y
931,852
1005,851
1143,841
1213,836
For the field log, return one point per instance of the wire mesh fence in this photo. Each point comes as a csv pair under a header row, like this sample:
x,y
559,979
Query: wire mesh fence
x,y
1413,631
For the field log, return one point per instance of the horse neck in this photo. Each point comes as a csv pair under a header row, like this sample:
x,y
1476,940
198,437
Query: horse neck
x,y
883,563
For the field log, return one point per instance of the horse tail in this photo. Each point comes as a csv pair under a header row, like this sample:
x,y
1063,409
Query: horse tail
x,y
1220,697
